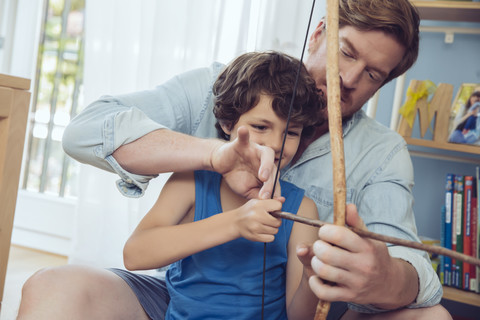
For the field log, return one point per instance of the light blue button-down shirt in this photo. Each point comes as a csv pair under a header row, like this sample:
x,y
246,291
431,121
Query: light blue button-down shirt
x,y
379,171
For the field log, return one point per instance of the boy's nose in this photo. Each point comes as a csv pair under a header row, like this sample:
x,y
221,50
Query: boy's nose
x,y
275,142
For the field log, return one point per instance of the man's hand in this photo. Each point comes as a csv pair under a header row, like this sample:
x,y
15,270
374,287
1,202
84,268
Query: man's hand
x,y
248,168
361,270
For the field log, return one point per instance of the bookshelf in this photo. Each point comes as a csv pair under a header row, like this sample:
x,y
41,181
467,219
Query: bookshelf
x,y
454,11
472,149
462,152
459,11
461,296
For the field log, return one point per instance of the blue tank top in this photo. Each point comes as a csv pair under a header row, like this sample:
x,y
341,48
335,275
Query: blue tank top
x,y
225,282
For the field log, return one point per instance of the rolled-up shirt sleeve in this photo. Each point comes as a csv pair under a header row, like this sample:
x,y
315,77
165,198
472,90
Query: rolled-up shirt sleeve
x,y
430,290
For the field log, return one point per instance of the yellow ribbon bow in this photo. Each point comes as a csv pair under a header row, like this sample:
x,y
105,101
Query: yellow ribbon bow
x,y
424,89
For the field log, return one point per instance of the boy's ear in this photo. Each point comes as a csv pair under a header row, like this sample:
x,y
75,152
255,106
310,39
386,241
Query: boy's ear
x,y
226,129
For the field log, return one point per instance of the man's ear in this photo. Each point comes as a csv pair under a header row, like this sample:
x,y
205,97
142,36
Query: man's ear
x,y
313,41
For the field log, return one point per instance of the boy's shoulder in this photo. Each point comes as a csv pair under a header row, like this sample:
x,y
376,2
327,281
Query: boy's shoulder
x,y
308,209
288,188
184,177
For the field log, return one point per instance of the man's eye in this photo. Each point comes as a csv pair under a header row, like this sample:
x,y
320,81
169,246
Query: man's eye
x,y
345,53
375,77
259,127
293,133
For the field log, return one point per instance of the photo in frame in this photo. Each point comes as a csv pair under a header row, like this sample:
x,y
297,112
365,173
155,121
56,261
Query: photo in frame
x,y
464,126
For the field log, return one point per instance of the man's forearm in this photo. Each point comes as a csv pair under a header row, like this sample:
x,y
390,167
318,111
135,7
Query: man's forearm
x,y
403,287
166,151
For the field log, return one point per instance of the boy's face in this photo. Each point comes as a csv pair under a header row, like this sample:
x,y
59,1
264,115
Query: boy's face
x,y
267,128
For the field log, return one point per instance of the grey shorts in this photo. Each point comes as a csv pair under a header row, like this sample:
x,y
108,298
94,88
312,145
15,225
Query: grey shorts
x,y
153,295
151,292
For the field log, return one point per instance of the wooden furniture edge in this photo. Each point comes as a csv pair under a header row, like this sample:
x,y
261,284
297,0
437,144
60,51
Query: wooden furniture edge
x,y
466,11
443,145
14,82
446,4
14,105
467,297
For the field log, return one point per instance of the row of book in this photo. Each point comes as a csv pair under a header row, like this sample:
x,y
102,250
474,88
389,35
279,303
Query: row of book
x,y
460,231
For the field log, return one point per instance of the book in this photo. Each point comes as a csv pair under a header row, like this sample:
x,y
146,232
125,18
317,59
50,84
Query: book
x,y
457,235
477,251
474,228
453,263
467,228
459,231
441,262
447,228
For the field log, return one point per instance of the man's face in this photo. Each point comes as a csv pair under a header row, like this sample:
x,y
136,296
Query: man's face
x,y
365,60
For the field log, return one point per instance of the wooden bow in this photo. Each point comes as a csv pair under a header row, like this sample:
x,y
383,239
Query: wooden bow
x,y
335,129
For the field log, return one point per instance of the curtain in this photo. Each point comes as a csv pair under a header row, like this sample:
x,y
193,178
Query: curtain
x,y
135,45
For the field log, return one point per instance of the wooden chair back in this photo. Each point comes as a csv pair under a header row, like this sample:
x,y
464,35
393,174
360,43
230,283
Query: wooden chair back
x,y
14,103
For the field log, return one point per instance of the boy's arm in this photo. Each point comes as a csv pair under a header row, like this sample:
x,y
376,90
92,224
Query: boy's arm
x,y
301,302
170,151
163,237
167,233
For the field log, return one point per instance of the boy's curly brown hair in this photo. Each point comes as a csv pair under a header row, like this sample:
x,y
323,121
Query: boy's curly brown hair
x,y
239,86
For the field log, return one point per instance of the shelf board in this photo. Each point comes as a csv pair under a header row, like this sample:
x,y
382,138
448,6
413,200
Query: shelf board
x,y
466,148
462,296
465,11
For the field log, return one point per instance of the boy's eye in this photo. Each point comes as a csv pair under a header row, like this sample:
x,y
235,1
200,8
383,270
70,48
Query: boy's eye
x,y
294,133
259,127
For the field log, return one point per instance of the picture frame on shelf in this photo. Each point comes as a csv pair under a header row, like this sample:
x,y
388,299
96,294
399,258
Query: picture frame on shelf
x,y
464,124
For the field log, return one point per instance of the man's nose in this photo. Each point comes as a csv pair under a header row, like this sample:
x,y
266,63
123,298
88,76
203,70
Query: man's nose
x,y
350,75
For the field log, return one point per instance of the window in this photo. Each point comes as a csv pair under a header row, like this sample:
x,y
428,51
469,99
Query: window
x,y
57,95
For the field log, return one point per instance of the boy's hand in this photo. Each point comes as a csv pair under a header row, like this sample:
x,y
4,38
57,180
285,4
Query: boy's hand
x,y
254,222
305,254
247,167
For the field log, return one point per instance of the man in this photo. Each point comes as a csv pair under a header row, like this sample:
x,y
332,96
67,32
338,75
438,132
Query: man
x,y
378,42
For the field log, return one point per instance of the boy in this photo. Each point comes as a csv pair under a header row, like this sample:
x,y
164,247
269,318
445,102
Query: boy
x,y
214,236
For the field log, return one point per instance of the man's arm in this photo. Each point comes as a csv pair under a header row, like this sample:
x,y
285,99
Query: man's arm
x,y
164,150
383,195
181,104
